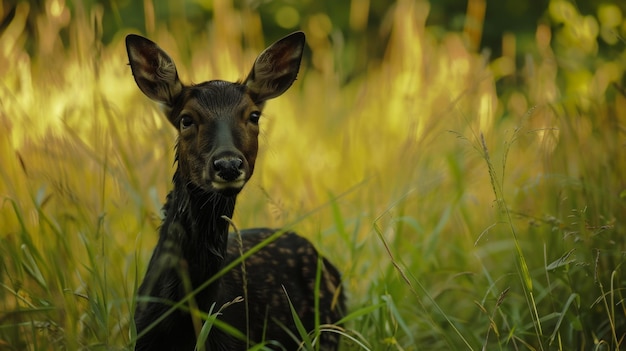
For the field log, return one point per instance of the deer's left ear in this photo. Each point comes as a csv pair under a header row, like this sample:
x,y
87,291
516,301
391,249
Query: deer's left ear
x,y
276,68
154,71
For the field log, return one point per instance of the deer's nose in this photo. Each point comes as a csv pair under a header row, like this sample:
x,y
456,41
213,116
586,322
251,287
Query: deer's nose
x,y
228,167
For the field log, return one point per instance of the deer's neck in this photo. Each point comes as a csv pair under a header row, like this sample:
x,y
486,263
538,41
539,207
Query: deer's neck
x,y
192,243
194,225
191,248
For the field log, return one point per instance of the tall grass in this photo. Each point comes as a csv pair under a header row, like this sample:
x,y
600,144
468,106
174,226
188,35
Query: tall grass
x,y
469,203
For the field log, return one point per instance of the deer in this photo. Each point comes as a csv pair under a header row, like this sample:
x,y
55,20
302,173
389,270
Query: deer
x,y
269,293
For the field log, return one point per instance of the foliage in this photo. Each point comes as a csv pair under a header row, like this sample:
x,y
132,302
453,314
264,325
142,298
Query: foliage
x,y
471,201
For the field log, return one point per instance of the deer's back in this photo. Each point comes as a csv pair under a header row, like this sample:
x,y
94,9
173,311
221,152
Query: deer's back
x,y
281,272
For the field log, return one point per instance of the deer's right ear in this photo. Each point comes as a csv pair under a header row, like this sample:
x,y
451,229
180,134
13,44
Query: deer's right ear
x,y
154,71
276,68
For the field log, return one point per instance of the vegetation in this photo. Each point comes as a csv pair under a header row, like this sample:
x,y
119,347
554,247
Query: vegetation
x,y
471,201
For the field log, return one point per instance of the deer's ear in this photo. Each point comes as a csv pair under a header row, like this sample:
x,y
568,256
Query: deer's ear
x,y
276,68
154,71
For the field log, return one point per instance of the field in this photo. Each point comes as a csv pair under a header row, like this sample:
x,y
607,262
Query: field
x,y
470,201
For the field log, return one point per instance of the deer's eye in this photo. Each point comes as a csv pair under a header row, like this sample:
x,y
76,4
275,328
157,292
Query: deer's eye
x,y
185,122
254,117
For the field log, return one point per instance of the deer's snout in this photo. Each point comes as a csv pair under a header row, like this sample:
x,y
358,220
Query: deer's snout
x,y
228,168
228,172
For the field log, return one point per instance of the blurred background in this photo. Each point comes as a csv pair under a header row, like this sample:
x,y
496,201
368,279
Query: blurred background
x,y
461,162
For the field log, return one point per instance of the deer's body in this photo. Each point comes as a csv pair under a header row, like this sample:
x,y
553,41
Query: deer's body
x,y
215,154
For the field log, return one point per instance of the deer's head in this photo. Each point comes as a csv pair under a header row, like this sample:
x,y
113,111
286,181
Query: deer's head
x,y
217,121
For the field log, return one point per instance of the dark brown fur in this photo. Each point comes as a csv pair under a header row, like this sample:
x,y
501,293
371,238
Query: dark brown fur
x,y
216,154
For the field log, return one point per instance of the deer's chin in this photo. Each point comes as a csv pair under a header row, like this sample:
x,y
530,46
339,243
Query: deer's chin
x,y
228,188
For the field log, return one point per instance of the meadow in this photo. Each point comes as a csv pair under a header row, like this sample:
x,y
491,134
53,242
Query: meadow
x,y
471,201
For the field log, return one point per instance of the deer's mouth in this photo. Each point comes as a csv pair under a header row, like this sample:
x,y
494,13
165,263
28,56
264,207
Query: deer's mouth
x,y
227,183
227,189
227,174
228,186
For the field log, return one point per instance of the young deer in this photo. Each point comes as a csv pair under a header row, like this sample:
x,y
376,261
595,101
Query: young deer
x,y
218,126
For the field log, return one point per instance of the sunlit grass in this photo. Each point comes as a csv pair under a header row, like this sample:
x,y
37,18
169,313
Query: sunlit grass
x,y
468,204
